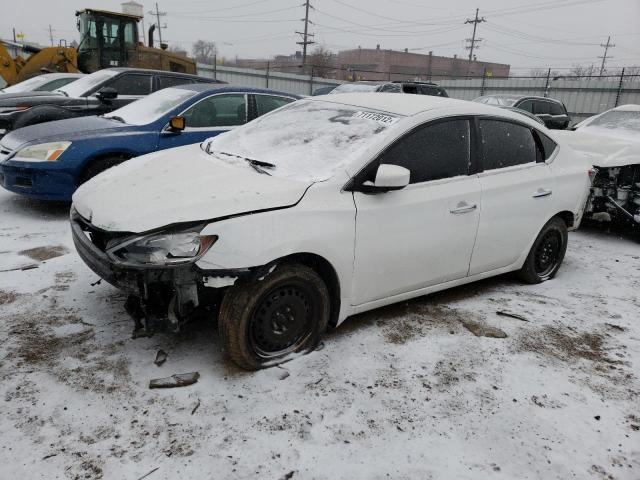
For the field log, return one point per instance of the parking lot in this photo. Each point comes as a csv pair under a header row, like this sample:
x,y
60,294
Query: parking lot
x,y
406,391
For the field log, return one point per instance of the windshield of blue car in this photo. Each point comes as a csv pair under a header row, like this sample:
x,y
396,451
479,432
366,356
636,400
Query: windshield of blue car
x,y
306,140
627,120
152,107
84,85
28,85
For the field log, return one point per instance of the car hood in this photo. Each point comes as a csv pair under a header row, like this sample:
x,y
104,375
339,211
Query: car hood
x,y
179,185
25,98
603,149
69,129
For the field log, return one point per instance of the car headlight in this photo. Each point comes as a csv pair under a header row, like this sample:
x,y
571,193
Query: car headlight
x,y
42,152
164,248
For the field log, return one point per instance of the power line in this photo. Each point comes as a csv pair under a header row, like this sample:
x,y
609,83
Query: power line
x,y
305,35
606,46
473,39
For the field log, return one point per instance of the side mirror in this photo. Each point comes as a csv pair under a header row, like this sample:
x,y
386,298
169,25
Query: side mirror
x,y
177,124
107,93
388,177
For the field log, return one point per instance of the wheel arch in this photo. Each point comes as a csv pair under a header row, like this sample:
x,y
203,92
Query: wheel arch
x,y
566,216
89,161
327,273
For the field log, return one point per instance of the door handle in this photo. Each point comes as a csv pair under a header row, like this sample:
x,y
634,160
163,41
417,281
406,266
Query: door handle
x,y
463,207
542,193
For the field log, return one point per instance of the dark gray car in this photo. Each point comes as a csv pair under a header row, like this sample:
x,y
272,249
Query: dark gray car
x,y
551,111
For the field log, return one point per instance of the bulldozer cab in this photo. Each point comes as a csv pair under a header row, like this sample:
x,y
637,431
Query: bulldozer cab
x,y
107,39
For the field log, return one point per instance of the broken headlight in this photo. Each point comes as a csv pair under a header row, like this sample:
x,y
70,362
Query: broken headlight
x,y
163,248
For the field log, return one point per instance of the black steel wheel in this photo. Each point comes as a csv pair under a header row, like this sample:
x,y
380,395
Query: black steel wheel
x,y
547,252
261,322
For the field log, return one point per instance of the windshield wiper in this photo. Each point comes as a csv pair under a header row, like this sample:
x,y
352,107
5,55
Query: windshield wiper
x,y
257,165
115,117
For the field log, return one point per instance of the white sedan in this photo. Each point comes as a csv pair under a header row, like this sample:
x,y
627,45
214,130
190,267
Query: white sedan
x,y
328,207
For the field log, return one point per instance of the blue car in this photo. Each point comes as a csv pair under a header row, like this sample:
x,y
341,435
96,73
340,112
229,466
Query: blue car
x,y
50,160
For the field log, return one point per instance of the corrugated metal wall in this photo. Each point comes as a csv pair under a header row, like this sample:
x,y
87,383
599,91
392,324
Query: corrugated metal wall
x,y
583,97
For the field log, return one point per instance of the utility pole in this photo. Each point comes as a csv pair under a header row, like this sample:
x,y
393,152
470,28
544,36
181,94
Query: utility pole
x,y
606,46
51,35
158,14
473,39
305,35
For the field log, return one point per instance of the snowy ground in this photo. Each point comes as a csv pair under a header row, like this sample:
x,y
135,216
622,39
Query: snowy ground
x,y
401,392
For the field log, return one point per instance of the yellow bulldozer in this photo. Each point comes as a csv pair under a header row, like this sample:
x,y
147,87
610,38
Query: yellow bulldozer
x,y
107,39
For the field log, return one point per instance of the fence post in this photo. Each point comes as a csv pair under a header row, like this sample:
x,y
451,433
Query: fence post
x,y
619,88
267,75
215,67
546,86
484,75
311,81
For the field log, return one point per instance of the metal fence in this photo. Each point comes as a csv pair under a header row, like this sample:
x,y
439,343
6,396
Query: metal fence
x,y
583,95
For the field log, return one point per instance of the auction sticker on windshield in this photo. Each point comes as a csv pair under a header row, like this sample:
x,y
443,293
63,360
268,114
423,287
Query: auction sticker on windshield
x,y
376,117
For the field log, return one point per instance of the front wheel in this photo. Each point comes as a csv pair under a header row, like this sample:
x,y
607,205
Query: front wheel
x,y
263,321
547,253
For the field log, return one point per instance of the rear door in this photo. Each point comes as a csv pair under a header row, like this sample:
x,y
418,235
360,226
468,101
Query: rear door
x,y
517,189
423,234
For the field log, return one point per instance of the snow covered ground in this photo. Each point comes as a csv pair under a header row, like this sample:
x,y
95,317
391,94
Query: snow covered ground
x,y
401,392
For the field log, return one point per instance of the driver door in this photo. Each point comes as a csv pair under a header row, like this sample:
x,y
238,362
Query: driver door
x,y
423,234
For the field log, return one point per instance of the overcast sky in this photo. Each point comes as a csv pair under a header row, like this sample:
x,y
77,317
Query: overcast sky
x,y
521,33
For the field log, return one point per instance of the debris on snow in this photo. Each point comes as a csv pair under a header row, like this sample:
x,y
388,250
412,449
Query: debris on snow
x,y
196,407
161,357
177,380
504,313
481,330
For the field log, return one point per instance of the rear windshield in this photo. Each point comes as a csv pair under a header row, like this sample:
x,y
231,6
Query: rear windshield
x,y
627,120
306,140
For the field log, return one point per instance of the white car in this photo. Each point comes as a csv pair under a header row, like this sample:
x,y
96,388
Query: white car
x,y
328,207
610,141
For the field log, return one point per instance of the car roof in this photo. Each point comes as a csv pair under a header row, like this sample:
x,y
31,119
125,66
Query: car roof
x,y
520,97
630,107
163,72
206,87
62,75
407,105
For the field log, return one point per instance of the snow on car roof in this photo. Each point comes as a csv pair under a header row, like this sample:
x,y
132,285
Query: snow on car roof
x,y
628,108
409,105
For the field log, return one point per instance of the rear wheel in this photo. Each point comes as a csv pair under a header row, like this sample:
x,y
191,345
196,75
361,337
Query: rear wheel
x,y
547,253
264,321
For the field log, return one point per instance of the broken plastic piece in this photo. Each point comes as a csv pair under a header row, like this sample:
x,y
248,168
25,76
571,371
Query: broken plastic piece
x,y
177,380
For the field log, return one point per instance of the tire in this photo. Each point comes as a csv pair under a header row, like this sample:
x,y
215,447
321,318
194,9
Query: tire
x,y
41,114
97,166
546,254
261,322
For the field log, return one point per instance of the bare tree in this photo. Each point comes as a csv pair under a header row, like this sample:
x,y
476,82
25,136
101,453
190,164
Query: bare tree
x,y
582,70
543,72
204,51
322,61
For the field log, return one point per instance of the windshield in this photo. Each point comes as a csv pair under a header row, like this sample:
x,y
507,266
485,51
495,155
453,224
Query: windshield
x,y
355,87
497,100
28,85
306,140
627,120
82,86
152,107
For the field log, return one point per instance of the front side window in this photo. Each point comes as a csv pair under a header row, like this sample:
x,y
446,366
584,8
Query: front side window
x,y
505,144
266,103
218,111
432,152
132,84
527,106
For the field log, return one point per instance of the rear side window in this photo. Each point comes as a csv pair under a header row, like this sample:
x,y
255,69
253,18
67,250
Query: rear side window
x,y
542,107
432,152
132,84
556,108
546,145
266,103
505,144
165,82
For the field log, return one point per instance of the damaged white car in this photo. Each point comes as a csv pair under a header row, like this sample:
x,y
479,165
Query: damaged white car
x,y
611,142
329,207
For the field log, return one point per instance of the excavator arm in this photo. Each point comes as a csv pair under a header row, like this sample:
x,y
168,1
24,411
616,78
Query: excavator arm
x,y
42,60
